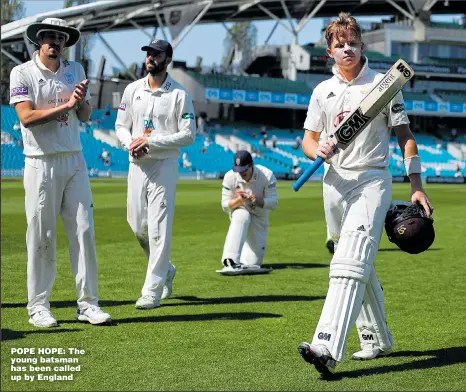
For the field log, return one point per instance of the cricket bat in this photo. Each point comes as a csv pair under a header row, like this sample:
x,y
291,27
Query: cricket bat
x,y
374,102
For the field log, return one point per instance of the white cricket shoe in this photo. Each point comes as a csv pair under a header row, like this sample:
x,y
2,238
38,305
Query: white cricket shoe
x,y
319,356
93,315
371,351
147,302
168,288
43,319
230,268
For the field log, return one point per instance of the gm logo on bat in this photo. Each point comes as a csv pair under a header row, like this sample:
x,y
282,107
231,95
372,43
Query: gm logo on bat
x,y
351,127
405,71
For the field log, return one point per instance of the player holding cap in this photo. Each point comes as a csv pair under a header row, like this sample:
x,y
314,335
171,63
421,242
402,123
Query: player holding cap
x,y
155,118
357,193
50,96
249,193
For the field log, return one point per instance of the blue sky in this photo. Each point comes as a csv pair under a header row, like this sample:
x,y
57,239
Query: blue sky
x,y
203,40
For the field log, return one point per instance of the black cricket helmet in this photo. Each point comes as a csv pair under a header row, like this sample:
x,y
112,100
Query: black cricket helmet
x,y
408,226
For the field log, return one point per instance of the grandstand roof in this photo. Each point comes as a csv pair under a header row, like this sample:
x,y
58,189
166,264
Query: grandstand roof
x,y
111,15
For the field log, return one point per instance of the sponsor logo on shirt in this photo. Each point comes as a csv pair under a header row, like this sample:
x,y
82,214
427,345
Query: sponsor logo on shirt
x,y
122,106
19,91
339,118
69,78
331,95
167,86
398,107
138,98
187,116
148,127
42,82
63,120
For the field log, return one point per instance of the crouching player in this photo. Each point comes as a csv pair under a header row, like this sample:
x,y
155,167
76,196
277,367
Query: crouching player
x,y
249,193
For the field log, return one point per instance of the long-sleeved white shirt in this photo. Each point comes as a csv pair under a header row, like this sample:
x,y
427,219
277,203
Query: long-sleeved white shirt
x,y
263,184
165,115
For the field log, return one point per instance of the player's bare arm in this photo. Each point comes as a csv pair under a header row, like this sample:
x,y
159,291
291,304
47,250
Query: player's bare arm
x,y
310,144
237,202
82,106
31,117
409,149
313,149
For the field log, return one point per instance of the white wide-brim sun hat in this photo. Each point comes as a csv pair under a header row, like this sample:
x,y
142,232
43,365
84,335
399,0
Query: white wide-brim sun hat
x,y
53,24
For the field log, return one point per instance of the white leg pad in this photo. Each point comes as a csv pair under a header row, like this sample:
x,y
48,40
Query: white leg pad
x,y
371,322
350,270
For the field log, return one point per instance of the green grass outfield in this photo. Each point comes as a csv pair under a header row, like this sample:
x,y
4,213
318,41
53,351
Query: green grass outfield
x,y
238,333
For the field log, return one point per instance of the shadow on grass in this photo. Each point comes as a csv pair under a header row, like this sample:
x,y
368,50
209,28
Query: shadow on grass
x,y
9,334
70,304
399,250
296,265
191,317
439,358
193,300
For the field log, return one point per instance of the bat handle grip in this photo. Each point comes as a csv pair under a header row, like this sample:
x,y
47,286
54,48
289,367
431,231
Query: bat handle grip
x,y
307,174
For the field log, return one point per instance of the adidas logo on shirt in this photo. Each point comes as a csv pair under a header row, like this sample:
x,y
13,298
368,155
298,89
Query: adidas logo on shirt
x,y
331,95
361,228
138,98
42,82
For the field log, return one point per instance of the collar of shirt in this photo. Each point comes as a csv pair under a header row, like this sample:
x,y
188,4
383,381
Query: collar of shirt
x,y
166,86
40,64
362,72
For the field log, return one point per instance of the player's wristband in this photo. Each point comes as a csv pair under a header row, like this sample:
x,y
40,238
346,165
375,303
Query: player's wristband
x,y
413,165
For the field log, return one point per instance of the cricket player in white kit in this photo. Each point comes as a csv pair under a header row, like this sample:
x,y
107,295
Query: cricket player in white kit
x,y
50,97
249,193
155,118
357,193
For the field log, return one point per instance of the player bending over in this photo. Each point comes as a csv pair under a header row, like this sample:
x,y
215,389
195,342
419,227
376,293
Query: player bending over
x,y
249,193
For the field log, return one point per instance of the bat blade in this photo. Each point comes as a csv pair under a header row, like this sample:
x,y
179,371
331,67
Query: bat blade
x,y
374,102
369,108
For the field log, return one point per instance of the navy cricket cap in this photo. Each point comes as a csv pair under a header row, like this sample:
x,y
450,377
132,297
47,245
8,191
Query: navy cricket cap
x,y
243,160
159,45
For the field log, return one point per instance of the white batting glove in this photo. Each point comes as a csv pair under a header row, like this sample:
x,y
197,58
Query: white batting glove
x,y
326,149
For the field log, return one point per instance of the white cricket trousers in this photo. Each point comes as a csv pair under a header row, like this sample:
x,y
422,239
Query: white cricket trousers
x,y
356,203
246,239
59,185
150,211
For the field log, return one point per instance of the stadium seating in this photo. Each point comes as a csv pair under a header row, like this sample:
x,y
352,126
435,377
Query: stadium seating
x,y
452,96
413,96
250,83
214,158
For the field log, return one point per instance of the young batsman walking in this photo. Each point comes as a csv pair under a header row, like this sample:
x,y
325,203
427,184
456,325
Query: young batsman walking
x,y
155,118
50,96
357,193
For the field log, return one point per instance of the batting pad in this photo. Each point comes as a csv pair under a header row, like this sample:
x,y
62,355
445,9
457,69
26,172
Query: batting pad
x,y
245,270
371,322
341,308
350,270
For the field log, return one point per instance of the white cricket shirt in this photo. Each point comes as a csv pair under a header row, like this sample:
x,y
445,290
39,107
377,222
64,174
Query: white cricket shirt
x,y
165,115
335,98
263,184
33,81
